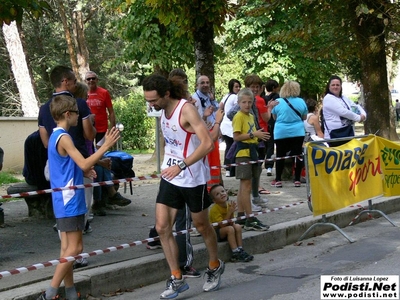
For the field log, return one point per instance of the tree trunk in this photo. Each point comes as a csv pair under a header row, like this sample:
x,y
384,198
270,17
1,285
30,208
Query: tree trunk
x,y
370,34
29,103
204,50
82,52
67,33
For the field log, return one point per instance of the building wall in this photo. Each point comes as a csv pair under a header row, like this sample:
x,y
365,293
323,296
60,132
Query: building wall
x,y
13,132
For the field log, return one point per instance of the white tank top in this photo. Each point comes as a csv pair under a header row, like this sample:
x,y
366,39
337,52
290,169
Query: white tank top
x,y
179,144
309,128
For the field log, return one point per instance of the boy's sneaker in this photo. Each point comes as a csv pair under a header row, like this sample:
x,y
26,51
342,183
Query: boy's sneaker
x,y
255,224
260,201
251,257
174,287
190,272
88,228
117,199
214,277
240,256
255,208
43,297
228,173
277,184
269,172
80,263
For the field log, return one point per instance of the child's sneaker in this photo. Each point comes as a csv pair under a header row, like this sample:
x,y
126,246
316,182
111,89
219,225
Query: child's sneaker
x,y
240,256
174,287
297,184
251,257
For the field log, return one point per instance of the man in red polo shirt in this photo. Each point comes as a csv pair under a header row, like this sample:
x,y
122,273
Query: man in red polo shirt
x,y
99,102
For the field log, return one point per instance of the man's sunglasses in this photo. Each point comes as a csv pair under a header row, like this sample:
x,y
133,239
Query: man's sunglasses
x,y
91,78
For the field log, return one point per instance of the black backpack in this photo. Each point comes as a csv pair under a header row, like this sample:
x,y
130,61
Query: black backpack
x,y
121,166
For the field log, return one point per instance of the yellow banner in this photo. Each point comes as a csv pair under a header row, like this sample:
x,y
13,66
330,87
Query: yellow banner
x,y
344,175
390,156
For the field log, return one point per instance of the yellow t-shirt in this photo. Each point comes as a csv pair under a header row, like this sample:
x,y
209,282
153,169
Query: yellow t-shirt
x,y
244,123
217,212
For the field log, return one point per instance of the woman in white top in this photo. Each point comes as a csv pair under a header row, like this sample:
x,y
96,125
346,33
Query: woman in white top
x,y
338,110
226,104
311,124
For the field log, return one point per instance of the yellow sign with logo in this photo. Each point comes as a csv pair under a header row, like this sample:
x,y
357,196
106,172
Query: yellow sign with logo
x,y
390,157
345,175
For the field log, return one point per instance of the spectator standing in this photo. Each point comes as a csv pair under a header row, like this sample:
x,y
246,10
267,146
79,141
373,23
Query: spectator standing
x,y
289,132
254,83
337,112
311,123
103,170
99,101
64,82
184,175
397,110
272,87
66,164
207,107
226,104
223,209
246,136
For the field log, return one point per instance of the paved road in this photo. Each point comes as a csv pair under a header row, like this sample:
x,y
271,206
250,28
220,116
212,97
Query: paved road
x,y
26,240
293,273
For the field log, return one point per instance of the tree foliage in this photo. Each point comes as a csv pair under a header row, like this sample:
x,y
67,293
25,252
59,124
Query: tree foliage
x,y
150,44
13,10
342,32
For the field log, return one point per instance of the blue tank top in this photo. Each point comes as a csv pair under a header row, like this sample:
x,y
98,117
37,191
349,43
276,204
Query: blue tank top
x,y
65,172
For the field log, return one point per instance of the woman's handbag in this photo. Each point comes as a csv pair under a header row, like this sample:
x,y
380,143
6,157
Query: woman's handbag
x,y
342,132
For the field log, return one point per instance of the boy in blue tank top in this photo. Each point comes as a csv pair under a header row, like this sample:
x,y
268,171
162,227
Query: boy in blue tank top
x,y
67,167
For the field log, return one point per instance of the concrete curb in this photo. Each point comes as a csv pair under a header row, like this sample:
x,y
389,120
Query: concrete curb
x,y
153,268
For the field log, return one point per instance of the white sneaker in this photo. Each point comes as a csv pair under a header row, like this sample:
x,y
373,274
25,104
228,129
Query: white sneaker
x,y
260,201
269,172
174,287
228,173
255,208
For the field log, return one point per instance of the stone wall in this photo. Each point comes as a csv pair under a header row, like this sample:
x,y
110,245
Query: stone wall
x,y
13,132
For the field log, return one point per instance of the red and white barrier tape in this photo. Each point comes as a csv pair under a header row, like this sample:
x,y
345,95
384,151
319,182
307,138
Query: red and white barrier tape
x,y
55,262
116,181
80,186
256,161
